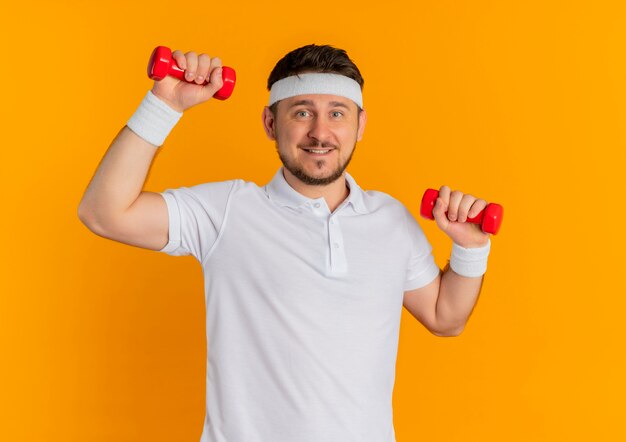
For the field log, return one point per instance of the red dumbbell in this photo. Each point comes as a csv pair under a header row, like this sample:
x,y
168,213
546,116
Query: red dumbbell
x,y
162,64
490,218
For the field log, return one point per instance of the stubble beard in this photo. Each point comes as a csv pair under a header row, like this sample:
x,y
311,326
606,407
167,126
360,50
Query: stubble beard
x,y
300,173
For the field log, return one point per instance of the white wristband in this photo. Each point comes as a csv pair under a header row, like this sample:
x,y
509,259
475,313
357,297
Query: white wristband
x,y
153,120
469,262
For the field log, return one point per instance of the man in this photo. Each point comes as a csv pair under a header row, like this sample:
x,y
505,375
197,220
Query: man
x,y
305,277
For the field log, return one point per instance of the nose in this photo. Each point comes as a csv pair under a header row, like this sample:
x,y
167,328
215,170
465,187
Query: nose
x,y
320,130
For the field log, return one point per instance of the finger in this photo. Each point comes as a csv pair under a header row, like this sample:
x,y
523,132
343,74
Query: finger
x,y
464,206
453,205
180,59
192,65
439,213
444,194
215,81
476,208
204,64
216,62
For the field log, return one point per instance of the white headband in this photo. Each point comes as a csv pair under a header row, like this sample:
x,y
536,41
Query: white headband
x,y
316,83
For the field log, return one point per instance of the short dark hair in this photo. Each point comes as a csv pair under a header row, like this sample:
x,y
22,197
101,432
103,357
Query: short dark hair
x,y
314,58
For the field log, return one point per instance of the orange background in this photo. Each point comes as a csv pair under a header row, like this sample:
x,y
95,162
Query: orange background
x,y
518,102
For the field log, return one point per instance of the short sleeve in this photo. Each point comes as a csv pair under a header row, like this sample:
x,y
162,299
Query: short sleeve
x,y
421,268
196,216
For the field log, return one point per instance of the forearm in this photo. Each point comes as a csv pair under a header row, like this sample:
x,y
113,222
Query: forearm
x,y
119,179
454,295
457,297
460,286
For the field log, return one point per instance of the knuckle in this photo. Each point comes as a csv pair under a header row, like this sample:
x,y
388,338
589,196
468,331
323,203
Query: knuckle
x,y
219,82
192,58
216,75
178,57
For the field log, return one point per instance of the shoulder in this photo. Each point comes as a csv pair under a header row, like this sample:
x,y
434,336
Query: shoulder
x,y
389,209
214,189
376,200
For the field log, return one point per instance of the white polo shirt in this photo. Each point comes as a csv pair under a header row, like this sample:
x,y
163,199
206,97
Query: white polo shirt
x,y
302,307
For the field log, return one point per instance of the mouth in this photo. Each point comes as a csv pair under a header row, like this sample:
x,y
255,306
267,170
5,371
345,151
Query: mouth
x,y
318,152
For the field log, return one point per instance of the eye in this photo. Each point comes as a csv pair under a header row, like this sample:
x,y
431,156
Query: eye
x,y
337,114
302,113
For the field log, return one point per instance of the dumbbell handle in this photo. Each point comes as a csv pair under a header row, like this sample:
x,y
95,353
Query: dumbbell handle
x,y
490,218
162,64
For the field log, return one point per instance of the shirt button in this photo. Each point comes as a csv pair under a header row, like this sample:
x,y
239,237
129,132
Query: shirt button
x,y
332,221
316,205
336,245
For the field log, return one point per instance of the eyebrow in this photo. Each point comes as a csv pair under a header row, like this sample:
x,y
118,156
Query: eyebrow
x,y
310,103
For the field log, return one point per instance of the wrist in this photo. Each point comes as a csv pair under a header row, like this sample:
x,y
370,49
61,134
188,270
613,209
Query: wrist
x,y
154,119
470,262
167,101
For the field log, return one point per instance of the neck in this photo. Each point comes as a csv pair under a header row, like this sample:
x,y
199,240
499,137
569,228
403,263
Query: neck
x,y
334,193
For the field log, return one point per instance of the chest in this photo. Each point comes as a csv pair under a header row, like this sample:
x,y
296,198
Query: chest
x,y
365,252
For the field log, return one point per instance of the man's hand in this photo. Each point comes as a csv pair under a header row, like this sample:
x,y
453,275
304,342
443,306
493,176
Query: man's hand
x,y
181,95
460,207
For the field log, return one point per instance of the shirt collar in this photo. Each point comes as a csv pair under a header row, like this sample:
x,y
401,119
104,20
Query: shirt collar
x,y
281,192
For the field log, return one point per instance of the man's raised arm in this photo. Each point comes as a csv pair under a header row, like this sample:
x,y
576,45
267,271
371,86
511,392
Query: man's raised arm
x,y
114,205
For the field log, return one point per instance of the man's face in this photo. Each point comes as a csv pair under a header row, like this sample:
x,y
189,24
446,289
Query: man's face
x,y
315,135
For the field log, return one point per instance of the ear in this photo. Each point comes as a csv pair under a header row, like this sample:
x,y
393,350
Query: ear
x,y
361,128
268,123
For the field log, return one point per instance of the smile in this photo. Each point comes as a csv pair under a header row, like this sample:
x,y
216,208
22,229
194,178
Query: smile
x,y
319,151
